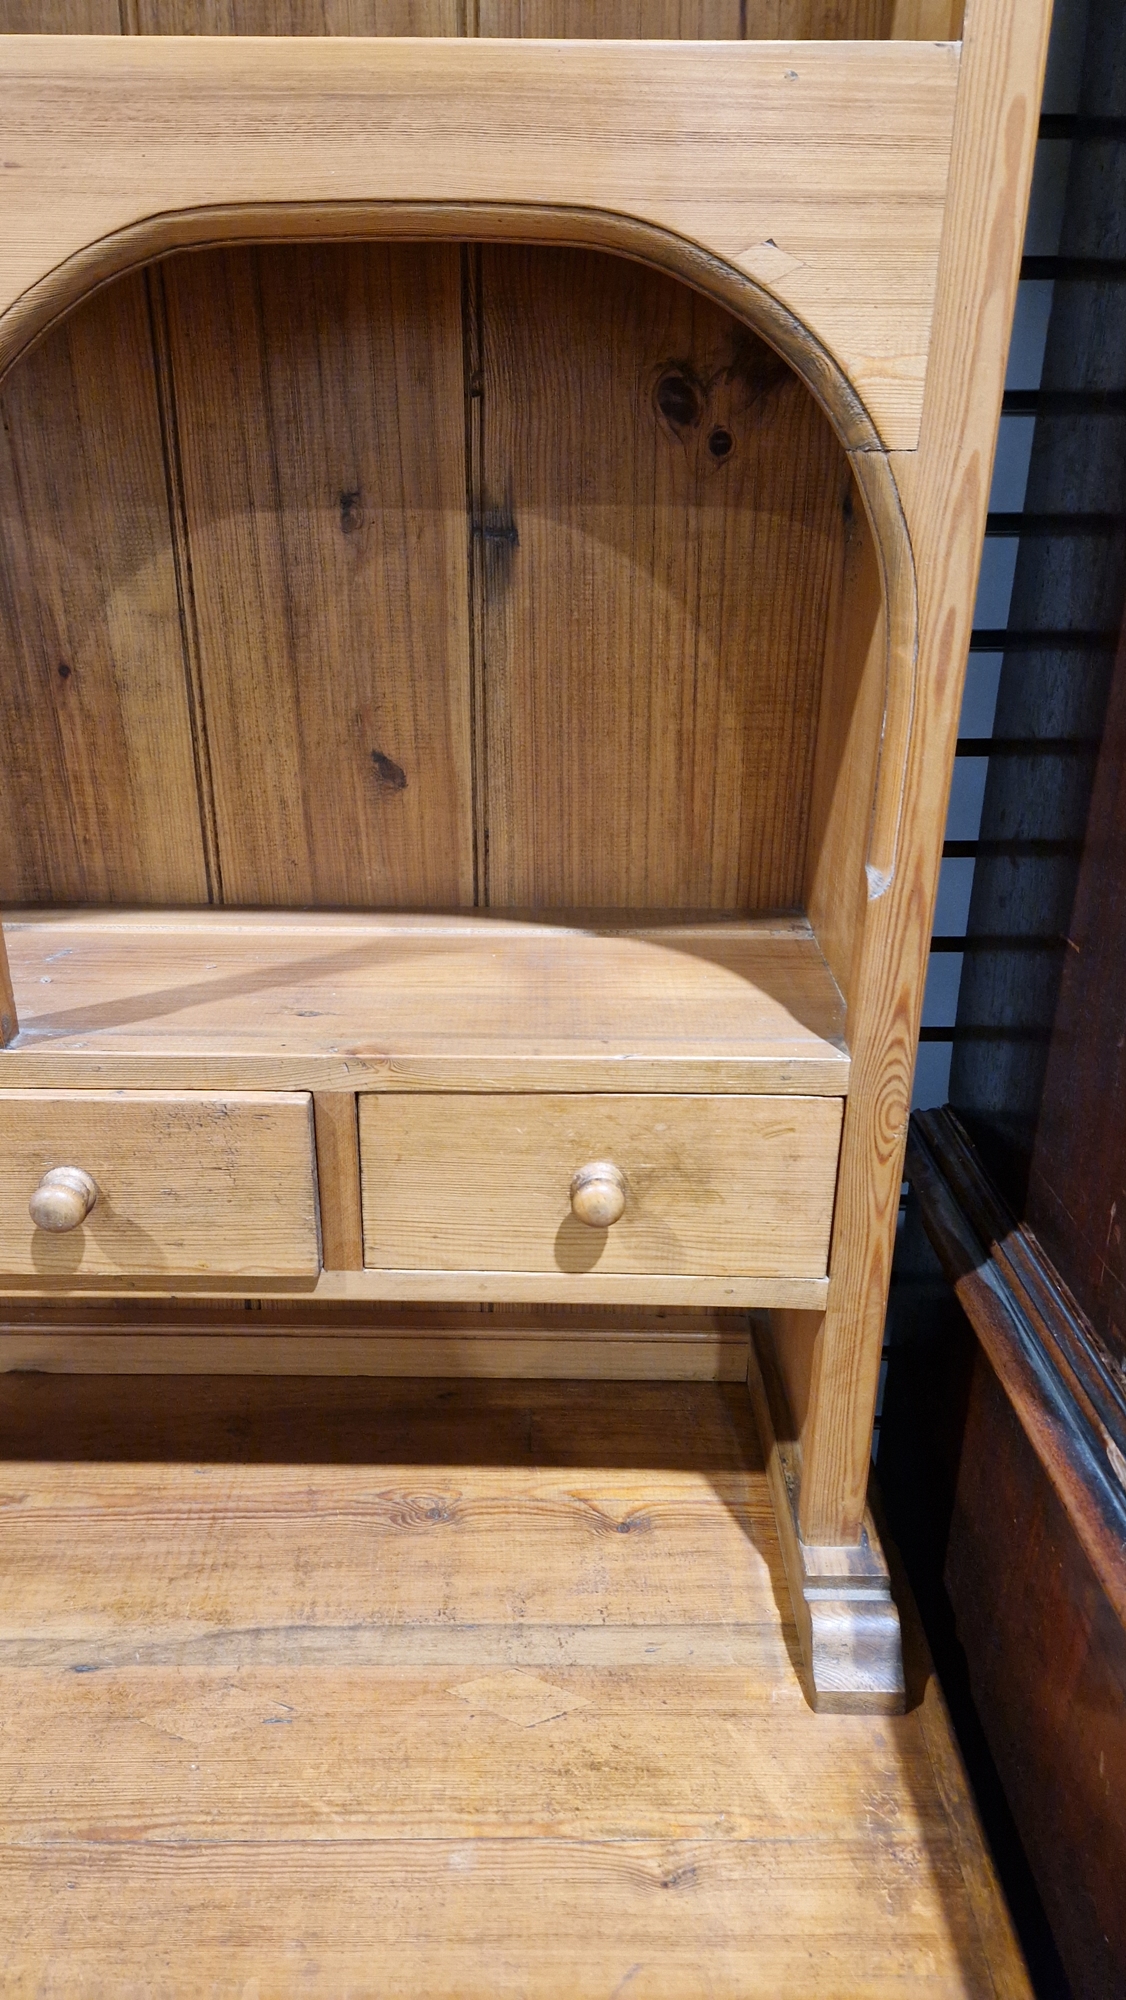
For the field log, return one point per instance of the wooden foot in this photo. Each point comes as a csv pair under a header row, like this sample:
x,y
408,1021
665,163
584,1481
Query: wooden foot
x,y
848,1626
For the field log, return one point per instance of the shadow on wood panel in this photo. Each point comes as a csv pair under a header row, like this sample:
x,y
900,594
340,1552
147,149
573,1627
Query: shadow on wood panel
x,y
662,520
319,1420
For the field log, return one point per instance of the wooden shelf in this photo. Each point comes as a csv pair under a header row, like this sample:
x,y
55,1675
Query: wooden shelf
x,y
285,1000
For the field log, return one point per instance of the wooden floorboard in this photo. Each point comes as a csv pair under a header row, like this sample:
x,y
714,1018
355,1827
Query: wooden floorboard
x,y
435,1688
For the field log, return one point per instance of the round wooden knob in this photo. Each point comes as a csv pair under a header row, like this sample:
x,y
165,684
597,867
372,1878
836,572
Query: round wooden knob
x,y
598,1194
63,1199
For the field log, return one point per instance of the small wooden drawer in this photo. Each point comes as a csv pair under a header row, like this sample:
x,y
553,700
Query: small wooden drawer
x,y
716,1186
186,1183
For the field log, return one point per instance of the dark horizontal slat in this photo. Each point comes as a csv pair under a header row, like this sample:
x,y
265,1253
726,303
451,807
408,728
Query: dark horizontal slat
x,y
1028,1037
995,639
1079,125
997,941
1012,850
1008,526
1086,270
1063,403
1027,746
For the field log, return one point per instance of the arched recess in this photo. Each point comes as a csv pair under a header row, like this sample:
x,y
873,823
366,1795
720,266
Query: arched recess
x,y
859,832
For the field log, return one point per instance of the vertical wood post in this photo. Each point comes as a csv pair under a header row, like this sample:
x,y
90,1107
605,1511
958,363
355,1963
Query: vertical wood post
x,y
944,486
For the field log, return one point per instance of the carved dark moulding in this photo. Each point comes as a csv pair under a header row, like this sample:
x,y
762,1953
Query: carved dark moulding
x,y
1060,1380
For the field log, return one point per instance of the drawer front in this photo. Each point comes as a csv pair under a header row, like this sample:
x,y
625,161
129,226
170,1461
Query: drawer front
x,y
188,1183
719,1186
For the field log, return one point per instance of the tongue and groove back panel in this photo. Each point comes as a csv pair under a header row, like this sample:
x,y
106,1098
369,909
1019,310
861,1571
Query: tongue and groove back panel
x,y
414,575
411,575
319,413
629,20
663,518
99,801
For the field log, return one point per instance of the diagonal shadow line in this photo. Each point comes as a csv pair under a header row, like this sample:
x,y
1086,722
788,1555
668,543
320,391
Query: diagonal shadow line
x,y
313,970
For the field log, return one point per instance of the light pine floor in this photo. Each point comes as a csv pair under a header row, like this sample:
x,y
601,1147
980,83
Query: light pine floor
x,y
426,1689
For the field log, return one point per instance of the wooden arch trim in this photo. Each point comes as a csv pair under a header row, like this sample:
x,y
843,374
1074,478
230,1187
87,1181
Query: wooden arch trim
x,y
816,170
566,226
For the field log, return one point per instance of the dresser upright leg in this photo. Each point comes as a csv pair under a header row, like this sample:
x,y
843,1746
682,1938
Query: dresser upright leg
x,y
848,1626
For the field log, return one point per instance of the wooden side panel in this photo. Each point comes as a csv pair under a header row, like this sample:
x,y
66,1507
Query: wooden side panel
x,y
296,17
188,1183
99,801
793,1338
661,518
945,492
854,687
321,431
714,1185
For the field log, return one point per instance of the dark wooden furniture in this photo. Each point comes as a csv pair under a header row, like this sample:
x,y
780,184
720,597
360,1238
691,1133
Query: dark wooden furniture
x,y
1035,1562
